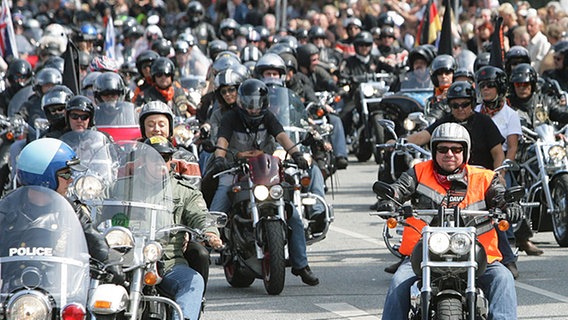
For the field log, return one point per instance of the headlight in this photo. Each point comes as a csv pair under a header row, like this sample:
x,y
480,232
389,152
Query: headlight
x,y
119,238
460,243
88,187
556,153
409,125
280,154
276,192
152,252
439,242
29,305
261,192
367,90
541,114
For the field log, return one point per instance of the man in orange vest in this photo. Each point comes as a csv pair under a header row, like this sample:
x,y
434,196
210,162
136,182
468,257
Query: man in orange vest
x,y
447,180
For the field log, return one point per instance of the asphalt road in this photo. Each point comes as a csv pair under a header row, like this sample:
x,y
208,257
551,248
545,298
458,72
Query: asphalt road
x,y
350,265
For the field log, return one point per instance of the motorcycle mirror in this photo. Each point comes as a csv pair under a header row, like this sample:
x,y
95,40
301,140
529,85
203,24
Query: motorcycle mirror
x,y
509,165
389,124
383,190
208,146
514,194
220,218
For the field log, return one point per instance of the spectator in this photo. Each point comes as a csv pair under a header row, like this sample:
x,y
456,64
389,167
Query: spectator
x,y
507,12
521,37
538,45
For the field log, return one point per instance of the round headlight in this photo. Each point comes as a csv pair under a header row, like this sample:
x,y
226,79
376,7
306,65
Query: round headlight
x,y
261,192
152,252
409,125
557,153
439,242
119,238
30,305
276,192
460,243
367,90
88,187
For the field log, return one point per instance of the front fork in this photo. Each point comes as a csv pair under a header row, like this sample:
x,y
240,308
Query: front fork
x,y
256,219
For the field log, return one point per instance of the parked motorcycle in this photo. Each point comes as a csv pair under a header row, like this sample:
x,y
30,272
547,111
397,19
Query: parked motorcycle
x,y
44,260
448,258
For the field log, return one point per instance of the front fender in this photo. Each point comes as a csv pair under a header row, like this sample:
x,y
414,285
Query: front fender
x,y
260,228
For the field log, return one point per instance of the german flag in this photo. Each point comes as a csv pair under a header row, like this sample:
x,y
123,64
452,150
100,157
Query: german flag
x,y
429,26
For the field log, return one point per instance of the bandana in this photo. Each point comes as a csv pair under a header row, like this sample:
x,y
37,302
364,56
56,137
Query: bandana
x,y
492,111
168,93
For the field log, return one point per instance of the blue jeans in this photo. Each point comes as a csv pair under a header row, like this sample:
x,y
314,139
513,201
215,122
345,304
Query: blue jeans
x,y
496,282
338,136
317,187
296,240
187,286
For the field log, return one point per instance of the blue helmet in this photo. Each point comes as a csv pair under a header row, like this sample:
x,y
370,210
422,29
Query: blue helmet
x,y
40,160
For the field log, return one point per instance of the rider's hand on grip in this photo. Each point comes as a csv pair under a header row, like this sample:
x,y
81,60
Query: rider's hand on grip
x,y
220,164
118,276
300,160
386,205
514,212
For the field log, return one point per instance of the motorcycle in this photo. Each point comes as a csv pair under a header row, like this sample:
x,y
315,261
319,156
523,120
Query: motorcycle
x,y
321,131
119,120
44,260
187,137
448,257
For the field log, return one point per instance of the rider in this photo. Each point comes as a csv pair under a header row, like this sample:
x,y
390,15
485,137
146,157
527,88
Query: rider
x,y
442,71
80,113
44,80
245,130
560,71
201,30
143,64
18,75
451,148
50,163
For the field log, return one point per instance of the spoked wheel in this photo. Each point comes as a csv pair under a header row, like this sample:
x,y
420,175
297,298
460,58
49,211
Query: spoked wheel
x,y
559,192
274,264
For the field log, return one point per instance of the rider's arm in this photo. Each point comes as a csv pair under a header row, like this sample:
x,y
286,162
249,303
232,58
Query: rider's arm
x,y
512,146
498,155
405,185
223,143
419,138
286,142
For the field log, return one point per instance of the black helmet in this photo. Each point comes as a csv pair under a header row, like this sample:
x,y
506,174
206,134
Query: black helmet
x,y
364,37
58,96
81,103
89,80
387,31
195,13
425,52
301,33
228,77
253,102
481,61
462,72
181,46
304,54
155,107
461,90
162,65
46,76
270,61
523,72
443,62
146,57
263,32
385,19
19,73
228,23
289,61
215,47
494,74
162,46
160,144
281,48
562,47
250,53
109,83
290,41
224,63
516,55
316,32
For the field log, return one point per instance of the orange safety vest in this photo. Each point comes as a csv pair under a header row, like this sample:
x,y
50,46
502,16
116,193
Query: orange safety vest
x,y
479,180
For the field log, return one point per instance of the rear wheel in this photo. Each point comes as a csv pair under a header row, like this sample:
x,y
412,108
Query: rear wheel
x,y
559,192
274,263
365,148
449,308
234,273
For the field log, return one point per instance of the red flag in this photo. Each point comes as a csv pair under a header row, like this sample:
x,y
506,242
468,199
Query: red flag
x,y
429,26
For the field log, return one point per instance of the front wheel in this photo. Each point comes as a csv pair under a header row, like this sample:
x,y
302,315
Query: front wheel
x,y
365,147
274,263
449,308
559,192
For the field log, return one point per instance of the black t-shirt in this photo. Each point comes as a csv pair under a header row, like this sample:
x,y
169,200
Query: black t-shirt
x,y
484,136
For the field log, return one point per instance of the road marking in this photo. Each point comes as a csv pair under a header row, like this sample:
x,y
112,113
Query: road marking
x,y
540,291
347,311
374,241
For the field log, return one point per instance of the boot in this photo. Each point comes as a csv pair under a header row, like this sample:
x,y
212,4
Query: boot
x,y
308,277
513,268
530,248
393,267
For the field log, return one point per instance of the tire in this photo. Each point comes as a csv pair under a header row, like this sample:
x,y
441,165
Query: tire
x,y
234,273
559,192
274,263
378,137
365,148
449,308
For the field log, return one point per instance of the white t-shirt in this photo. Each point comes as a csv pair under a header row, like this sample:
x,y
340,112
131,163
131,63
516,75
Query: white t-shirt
x,y
508,122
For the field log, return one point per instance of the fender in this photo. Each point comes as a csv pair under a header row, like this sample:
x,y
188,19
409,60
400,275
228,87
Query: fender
x,y
260,234
556,174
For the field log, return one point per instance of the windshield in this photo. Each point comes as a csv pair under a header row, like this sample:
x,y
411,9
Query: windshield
x,y
288,109
120,120
42,246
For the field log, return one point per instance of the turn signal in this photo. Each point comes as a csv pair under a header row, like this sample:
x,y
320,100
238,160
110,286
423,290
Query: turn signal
x,y
503,225
320,113
236,189
305,181
102,304
151,278
337,99
391,223
10,136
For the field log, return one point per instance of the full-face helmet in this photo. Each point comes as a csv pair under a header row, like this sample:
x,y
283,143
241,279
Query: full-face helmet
x,y
442,63
253,102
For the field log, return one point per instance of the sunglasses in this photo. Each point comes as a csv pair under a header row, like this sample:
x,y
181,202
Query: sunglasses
x,y
65,175
364,45
228,90
444,150
460,105
161,74
53,110
488,84
522,84
76,116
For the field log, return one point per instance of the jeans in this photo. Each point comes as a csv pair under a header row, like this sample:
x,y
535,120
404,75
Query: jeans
x,y
496,282
187,286
338,136
317,187
296,240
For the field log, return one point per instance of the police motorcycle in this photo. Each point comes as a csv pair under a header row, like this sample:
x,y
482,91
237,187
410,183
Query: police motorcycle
x,y
44,260
311,141
118,119
448,257
128,190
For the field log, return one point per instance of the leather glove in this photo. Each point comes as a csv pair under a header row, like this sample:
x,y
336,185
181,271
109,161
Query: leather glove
x,y
386,205
220,164
300,160
117,274
514,212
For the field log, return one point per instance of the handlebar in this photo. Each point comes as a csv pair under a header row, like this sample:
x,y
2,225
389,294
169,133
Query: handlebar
x,y
404,146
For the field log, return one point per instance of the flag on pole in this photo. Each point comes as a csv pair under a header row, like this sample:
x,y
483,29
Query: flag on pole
x,y
110,40
445,43
497,58
430,25
8,47
71,67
